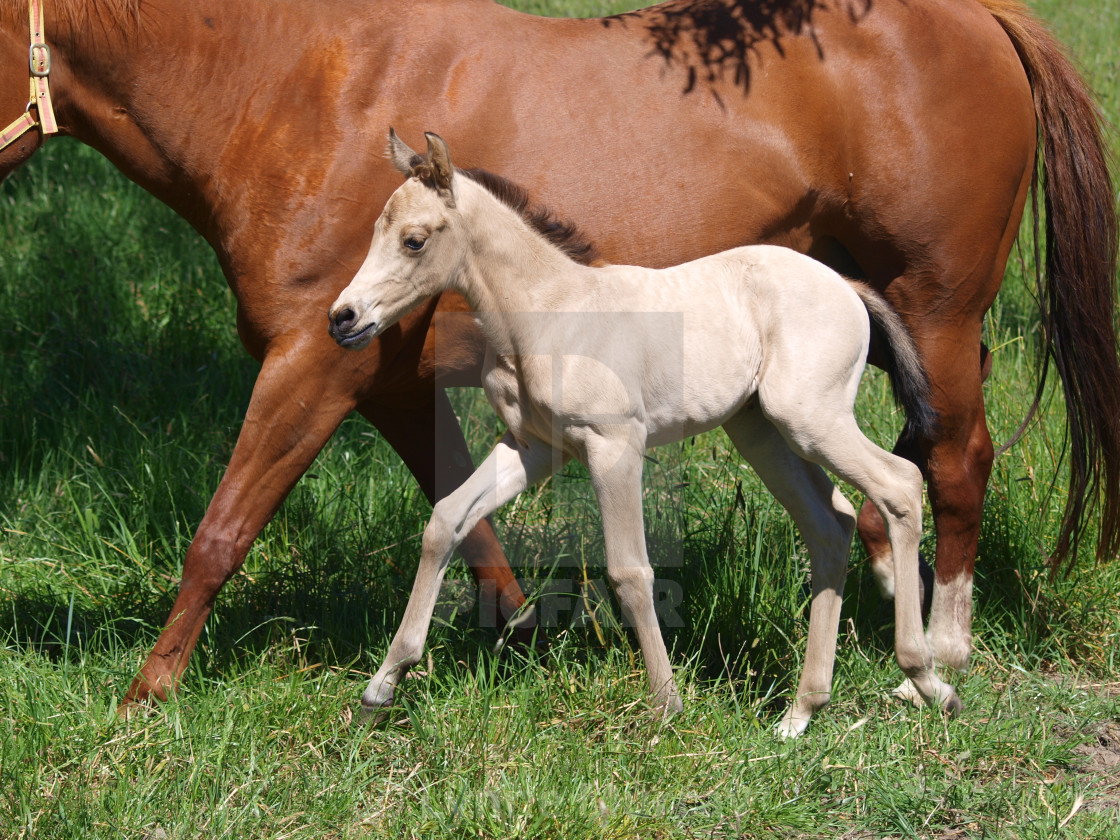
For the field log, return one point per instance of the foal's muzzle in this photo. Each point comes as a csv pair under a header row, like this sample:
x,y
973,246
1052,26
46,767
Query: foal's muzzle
x,y
342,329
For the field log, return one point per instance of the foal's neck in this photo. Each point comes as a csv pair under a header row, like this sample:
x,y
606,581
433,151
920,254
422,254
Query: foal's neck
x,y
511,269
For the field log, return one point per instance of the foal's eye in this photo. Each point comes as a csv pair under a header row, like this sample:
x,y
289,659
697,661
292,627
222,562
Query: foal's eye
x,y
414,243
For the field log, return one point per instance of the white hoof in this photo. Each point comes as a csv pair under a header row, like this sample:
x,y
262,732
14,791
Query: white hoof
x,y
792,725
909,693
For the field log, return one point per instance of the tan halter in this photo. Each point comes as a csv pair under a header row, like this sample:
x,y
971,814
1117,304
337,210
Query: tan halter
x,y
39,62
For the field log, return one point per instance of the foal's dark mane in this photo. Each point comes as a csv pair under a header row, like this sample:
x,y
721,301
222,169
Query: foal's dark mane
x,y
560,232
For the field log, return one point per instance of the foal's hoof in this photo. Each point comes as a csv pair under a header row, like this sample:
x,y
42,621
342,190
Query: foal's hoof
x,y
378,694
377,704
373,715
669,706
953,706
791,726
950,704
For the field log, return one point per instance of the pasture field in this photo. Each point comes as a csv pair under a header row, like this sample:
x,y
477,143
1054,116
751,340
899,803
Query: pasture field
x,y
122,385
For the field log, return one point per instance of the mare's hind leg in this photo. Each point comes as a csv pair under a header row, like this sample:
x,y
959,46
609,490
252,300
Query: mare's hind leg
x,y
507,470
826,521
957,466
871,529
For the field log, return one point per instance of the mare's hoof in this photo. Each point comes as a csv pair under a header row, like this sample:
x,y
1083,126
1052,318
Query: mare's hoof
x,y
134,709
521,632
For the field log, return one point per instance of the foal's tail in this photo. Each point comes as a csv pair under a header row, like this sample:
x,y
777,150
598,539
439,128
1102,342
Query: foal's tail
x,y
1077,290
904,364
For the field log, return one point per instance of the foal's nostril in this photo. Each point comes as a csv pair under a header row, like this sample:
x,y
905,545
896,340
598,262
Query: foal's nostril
x,y
344,319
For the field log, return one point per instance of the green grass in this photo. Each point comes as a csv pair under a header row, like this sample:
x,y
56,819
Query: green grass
x,y
122,387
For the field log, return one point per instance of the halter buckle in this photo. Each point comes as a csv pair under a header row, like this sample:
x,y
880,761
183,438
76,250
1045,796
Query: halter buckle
x,y
39,60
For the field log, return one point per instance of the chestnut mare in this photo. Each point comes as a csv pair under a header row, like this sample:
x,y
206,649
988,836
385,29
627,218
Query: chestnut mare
x,y
893,141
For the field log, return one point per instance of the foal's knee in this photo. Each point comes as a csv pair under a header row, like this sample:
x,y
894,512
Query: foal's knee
x,y
631,579
633,586
441,529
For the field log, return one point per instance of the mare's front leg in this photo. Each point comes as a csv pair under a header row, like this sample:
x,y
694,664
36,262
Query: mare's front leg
x,y
615,465
298,401
507,470
826,521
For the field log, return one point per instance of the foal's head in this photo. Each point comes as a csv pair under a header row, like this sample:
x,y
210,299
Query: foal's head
x,y
418,245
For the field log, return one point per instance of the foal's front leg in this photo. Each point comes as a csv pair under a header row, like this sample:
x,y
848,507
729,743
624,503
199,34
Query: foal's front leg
x,y
616,474
507,470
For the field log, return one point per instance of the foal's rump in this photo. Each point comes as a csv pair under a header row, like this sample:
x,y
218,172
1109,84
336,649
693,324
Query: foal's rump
x,y
814,330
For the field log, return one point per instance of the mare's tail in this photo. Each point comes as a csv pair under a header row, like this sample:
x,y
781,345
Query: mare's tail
x,y
904,364
1077,291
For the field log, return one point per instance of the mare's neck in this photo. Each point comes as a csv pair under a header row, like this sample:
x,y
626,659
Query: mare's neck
x,y
204,102
511,270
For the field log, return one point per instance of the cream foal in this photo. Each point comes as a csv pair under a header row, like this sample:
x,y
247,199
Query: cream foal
x,y
599,363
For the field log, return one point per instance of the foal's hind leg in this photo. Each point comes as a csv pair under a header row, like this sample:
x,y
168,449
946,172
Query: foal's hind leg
x,y
828,435
507,470
826,521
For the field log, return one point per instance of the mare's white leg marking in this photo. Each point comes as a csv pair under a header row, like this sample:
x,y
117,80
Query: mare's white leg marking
x,y
882,568
507,470
950,622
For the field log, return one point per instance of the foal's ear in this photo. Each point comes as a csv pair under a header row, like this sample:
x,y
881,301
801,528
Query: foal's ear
x,y
440,159
399,154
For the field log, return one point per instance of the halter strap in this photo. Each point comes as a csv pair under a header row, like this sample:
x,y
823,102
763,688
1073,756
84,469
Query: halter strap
x,y
39,64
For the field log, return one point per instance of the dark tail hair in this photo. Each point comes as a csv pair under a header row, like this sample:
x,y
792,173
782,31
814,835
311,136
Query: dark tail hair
x,y
905,370
1077,292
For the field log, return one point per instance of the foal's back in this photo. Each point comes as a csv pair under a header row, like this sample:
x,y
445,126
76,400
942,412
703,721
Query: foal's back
x,y
681,350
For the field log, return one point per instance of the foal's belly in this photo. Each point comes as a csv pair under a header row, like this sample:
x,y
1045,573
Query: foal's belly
x,y
653,399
